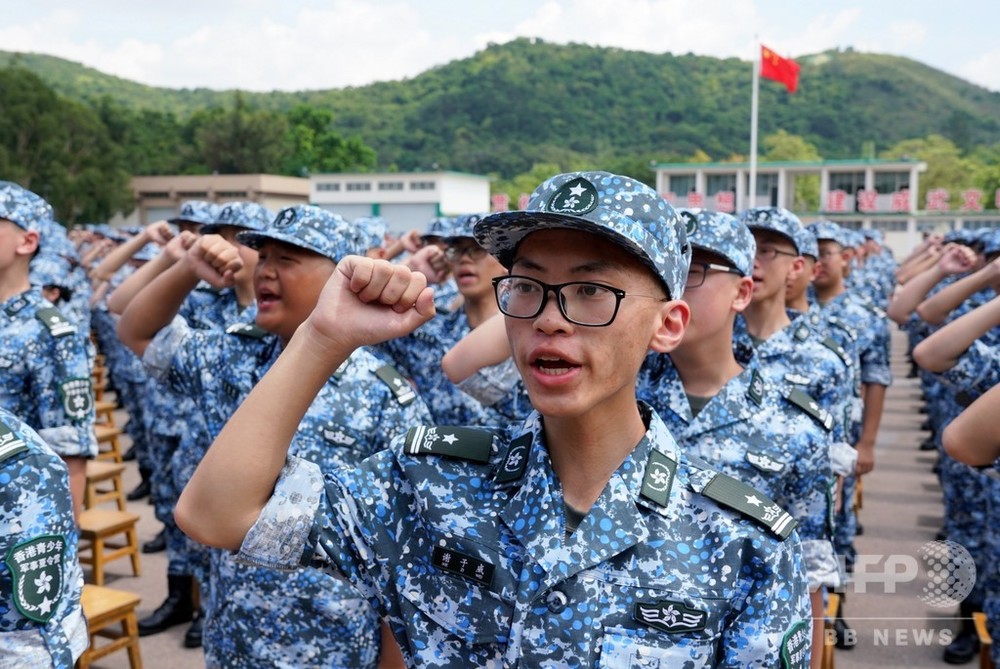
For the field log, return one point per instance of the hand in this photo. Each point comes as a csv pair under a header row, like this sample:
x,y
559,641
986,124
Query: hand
x,y
214,260
367,301
411,241
159,233
179,245
866,458
430,262
957,259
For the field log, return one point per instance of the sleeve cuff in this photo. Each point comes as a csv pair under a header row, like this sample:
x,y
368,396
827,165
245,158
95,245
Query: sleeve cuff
x,y
491,384
70,441
821,564
159,354
843,458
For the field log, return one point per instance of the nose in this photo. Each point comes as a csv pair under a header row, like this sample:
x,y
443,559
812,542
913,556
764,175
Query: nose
x,y
551,320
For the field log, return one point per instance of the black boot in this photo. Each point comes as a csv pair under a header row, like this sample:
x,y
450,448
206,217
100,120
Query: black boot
x,y
141,490
192,638
177,608
157,544
846,638
130,454
965,647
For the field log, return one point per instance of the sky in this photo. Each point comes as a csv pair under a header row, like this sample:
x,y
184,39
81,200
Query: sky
x,y
263,45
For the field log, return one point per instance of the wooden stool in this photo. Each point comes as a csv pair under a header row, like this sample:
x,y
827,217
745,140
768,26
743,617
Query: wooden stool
x,y
104,412
832,602
97,528
104,607
107,435
859,495
108,473
99,377
985,641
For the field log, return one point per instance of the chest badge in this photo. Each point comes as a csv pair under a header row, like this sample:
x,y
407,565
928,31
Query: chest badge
x,y
670,616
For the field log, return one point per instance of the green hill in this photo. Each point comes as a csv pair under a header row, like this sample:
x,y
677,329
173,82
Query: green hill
x,y
513,105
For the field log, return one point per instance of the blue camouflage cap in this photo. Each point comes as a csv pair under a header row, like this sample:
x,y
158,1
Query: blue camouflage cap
x,y
49,270
463,226
722,234
245,215
775,219
854,237
371,230
310,228
23,208
53,240
991,242
805,242
147,252
196,211
619,208
438,227
828,230
874,234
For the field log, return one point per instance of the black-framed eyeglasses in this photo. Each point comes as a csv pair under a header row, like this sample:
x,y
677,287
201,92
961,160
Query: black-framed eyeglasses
x,y
580,302
454,252
699,270
770,253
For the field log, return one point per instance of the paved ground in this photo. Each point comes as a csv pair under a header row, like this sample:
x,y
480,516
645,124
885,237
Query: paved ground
x,y
902,512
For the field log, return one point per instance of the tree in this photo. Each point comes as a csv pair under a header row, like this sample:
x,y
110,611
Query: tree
x,y
317,147
784,146
946,167
240,140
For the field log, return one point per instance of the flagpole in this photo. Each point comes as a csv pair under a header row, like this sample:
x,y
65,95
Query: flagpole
x,y
752,194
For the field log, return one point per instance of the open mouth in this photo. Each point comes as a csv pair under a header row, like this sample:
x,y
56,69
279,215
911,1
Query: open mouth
x,y
553,366
266,297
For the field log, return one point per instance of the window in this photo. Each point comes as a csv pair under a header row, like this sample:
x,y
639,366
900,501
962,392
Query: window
x,y
235,194
154,194
422,185
359,186
682,185
328,186
850,225
720,182
187,194
766,184
849,182
891,182
390,185
890,226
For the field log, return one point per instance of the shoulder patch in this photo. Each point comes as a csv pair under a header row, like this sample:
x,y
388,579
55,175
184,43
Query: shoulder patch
x,y
838,349
659,478
246,330
465,443
737,495
10,443
514,463
56,323
795,646
77,397
400,387
811,407
36,575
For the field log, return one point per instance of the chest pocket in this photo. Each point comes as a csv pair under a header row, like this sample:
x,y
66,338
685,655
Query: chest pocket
x,y
470,613
623,648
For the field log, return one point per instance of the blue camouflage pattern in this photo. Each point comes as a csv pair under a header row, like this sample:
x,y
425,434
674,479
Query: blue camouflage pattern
x,y
722,234
45,374
240,214
23,208
38,532
830,231
775,219
257,616
310,228
469,561
196,211
619,208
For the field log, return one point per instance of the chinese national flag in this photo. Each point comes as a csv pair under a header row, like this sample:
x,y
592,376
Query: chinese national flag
x,y
776,68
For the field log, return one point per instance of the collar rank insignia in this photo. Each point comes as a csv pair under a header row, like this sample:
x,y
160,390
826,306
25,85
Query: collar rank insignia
x,y
576,197
516,461
56,323
659,478
737,495
809,405
455,562
77,398
755,391
246,330
465,443
10,443
764,462
838,349
16,305
670,616
36,571
797,379
400,387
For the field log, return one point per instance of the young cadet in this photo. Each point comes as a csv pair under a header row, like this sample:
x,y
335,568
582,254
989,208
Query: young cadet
x,y
736,417
418,355
177,432
41,621
44,365
584,537
258,616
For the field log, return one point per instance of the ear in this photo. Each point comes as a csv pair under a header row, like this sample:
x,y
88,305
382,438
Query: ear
x,y
744,293
673,321
28,243
798,266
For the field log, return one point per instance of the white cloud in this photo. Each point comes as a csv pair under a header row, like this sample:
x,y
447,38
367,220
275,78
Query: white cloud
x,y
825,31
984,70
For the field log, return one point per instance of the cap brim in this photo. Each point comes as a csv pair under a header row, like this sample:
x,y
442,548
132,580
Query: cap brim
x,y
256,239
494,233
777,232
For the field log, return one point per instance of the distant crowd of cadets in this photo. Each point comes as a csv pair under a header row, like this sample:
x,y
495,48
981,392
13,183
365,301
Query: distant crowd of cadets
x,y
779,382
